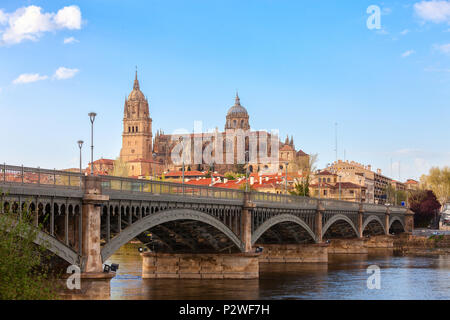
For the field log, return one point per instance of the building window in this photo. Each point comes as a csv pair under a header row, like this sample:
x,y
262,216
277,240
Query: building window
x,y
137,129
129,129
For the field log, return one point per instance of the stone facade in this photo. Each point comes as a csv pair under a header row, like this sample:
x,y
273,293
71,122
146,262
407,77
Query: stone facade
x,y
146,156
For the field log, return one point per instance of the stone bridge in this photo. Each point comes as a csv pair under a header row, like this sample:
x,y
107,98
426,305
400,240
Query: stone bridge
x,y
85,219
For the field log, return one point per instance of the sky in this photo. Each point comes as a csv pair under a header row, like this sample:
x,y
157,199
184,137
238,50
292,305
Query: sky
x,y
299,66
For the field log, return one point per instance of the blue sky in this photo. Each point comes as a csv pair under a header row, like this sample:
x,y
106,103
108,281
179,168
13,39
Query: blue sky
x,y
299,66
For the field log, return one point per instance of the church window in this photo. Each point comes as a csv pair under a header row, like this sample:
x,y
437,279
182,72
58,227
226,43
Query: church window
x,y
234,123
132,129
129,129
137,129
242,123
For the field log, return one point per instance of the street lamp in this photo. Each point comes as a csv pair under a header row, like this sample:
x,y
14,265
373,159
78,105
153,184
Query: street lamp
x,y
80,145
211,167
180,139
286,182
92,116
340,182
246,170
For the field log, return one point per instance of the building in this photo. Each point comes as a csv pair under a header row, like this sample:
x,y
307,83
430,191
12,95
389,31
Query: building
x,y
412,185
231,150
374,183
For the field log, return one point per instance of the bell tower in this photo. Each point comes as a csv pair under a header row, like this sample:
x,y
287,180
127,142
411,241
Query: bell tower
x,y
137,126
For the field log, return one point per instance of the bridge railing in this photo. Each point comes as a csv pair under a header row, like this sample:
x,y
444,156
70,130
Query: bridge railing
x,y
168,188
282,198
37,176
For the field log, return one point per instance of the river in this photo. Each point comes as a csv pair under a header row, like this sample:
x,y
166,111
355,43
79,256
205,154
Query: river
x,y
343,277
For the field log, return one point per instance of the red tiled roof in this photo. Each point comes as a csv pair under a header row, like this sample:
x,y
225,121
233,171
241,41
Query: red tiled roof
x,y
104,161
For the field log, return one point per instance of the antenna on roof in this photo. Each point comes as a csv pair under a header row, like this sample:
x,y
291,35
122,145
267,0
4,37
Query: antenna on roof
x,y
336,140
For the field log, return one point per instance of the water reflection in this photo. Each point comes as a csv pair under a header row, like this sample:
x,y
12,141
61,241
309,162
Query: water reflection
x,y
344,277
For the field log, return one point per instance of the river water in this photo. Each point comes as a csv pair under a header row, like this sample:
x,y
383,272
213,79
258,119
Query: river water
x,y
343,277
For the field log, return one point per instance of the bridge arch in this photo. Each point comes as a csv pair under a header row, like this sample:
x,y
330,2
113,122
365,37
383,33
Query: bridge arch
x,y
279,219
373,218
132,231
336,218
395,218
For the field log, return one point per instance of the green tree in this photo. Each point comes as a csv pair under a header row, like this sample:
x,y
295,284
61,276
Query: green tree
x,y
302,188
23,271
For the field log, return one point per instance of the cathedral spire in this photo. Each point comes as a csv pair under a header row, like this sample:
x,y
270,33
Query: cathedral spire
x,y
136,81
237,101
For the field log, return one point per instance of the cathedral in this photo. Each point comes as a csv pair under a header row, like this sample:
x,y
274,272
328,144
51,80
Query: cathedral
x,y
146,155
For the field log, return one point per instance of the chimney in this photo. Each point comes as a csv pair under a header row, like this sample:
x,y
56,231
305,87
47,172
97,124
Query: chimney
x,y
379,171
260,180
252,180
369,167
267,178
225,180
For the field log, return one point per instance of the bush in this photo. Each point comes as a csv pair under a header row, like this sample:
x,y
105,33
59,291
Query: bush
x,y
23,271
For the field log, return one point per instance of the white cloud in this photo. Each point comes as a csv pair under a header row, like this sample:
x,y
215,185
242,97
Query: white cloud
x,y
28,78
407,53
29,23
69,17
444,48
436,11
65,73
3,17
404,32
70,40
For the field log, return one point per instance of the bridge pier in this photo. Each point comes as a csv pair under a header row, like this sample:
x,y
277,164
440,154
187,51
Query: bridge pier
x,y
92,200
246,222
386,221
360,221
200,266
318,223
294,253
409,221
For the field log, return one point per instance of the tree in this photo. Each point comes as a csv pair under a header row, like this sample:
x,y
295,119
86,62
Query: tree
x,y
23,271
302,188
438,180
395,197
424,204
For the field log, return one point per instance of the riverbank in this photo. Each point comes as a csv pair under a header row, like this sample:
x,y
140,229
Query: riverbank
x,y
406,244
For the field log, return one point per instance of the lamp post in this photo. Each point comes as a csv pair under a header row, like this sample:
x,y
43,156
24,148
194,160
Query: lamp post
x,y
286,182
211,167
360,190
182,162
318,173
92,116
246,171
340,182
80,145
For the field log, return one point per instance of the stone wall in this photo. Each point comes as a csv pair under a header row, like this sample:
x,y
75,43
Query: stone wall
x,y
347,246
200,266
409,244
379,242
293,253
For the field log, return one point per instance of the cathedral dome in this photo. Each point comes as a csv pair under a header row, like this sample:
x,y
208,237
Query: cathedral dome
x,y
237,108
